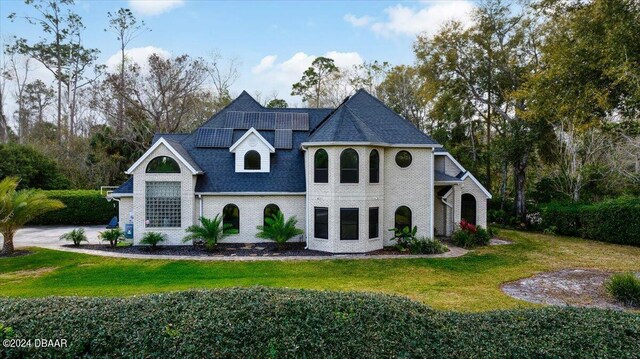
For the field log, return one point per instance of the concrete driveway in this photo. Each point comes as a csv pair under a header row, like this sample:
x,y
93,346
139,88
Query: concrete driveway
x,y
49,236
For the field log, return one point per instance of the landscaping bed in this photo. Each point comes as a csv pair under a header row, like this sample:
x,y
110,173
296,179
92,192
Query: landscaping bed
x,y
575,287
267,323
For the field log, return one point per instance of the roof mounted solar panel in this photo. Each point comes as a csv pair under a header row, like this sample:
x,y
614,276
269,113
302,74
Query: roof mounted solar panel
x,y
267,121
235,119
300,122
284,121
284,139
214,137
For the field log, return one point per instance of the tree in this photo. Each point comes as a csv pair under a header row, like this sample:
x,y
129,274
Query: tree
x,y
60,24
369,76
278,229
223,73
277,103
313,86
18,71
170,92
126,27
19,207
400,90
209,231
37,97
33,168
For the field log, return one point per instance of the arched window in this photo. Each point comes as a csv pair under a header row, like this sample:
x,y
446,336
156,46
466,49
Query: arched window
x,y
269,211
468,208
163,164
231,215
252,160
321,167
374,167
403,218
349,166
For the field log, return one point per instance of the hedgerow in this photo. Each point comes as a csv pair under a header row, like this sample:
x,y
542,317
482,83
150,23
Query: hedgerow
x,y
614,221
81,207
261,323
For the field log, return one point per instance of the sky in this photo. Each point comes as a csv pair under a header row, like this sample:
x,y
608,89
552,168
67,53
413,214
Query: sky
x,y
273,41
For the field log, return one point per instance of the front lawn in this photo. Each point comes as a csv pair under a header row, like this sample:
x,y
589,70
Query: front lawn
x,y
468,283
279,323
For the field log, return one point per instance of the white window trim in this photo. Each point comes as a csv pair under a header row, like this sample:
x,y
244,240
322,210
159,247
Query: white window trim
x,y
162,141
252,130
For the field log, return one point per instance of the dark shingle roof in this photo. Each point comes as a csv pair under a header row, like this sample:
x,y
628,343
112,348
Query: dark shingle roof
x,y
442,177
364,118
125,188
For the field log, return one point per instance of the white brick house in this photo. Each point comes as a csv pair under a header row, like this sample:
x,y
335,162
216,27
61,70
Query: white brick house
x,y
348,174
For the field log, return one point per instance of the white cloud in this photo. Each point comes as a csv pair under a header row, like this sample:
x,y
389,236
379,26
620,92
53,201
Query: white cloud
x,y
154,7
138,55
410,21
358,21
265,64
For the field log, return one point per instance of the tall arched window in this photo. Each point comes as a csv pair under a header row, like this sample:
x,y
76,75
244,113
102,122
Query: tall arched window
x,y
269,211
163,164
403,218
252,160
468,208
374,167
349,166
231,215
321,167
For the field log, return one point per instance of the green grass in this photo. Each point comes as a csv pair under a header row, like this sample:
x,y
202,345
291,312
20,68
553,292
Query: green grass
x,y
468,283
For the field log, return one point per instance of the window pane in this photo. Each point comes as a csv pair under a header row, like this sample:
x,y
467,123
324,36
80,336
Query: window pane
x,y
163,204
231,215
321,167
403,159
374,167
403,217
373,222
163,164
349,166
349,223
321,222
252,160
269,211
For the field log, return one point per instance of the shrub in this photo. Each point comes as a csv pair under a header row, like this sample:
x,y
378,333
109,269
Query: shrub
x,y
470,236
284,323
153,238
35,170
76,236
625,287
113,236
404,236
82,207
426,246
608,221
279,230
210,231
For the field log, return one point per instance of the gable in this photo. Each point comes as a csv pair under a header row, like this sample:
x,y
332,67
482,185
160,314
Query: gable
x,y
172,149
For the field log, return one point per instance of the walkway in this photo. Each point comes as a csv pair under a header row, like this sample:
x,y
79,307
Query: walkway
x,y
47,237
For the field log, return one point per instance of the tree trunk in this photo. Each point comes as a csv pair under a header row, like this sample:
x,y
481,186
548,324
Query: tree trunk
x,y
520,177
7,248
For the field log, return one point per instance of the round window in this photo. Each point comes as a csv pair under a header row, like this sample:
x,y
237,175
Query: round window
x,y
403,159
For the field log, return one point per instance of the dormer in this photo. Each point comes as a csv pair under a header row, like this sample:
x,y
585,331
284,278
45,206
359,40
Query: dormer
x,y
253,152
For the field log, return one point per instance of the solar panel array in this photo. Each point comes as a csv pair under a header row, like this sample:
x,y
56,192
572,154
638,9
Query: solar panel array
x,y
284,139
214,137
241,120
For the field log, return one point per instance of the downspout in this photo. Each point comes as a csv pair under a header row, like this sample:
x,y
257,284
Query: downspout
x,y
444,200
201,209
306,200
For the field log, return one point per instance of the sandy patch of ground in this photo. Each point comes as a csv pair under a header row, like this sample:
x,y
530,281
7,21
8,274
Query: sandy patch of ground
x,y
498,242
21,274
574,287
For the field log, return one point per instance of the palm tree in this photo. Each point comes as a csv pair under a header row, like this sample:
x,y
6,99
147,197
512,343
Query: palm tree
x,y
279,230
211,231
19,207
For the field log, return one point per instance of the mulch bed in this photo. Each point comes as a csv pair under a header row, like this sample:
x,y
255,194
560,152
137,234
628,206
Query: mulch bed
x,y
222,250
16,253
572,287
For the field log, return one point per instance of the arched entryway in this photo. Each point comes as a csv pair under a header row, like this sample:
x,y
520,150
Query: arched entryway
x,y
468,210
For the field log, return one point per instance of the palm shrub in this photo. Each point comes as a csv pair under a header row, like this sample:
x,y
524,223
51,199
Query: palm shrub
x,y
404,236
625,287
76,236
210,231
278,229
153,238
113,236
19,207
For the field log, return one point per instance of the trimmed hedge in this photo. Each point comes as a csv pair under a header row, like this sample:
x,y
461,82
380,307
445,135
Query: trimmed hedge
x,y
268,323
615,221
82,207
